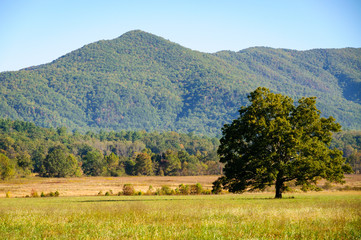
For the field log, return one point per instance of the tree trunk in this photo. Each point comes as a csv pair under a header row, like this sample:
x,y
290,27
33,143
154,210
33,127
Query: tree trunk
x,y
279,187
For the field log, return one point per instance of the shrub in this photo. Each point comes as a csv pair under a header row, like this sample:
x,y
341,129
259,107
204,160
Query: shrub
x,y
207,192
165,190
34,193
8,194
196,189
327,186
42,194
158,192
128,189
150,190
107,194
217,186
56,194
184,189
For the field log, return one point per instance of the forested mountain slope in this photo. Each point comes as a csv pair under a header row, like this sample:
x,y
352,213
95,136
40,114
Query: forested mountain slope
x,y
142,81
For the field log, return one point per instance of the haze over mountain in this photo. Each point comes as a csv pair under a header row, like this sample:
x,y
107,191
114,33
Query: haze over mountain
x,y
142,81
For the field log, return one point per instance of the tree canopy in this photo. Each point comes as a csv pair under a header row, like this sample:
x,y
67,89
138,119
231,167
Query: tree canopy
x,y
275,141
27,148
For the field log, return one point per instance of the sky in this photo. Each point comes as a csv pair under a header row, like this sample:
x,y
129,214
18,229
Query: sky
x,y
34,32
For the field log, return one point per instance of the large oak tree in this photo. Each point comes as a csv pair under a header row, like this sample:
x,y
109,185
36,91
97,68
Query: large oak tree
x,y
275,141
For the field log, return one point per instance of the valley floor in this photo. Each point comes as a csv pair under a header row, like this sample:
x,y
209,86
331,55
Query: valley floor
x,y
321,215
91,186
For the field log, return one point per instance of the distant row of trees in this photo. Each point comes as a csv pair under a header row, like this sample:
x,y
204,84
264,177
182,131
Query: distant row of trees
x,y
26,148
350,143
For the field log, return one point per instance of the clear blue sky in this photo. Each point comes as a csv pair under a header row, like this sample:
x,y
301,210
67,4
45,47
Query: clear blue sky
x,y
34,32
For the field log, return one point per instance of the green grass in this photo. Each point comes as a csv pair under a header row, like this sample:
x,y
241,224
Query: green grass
x,y
257,216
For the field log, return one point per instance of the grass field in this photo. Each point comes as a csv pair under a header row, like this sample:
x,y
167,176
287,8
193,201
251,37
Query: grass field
x,y
325,215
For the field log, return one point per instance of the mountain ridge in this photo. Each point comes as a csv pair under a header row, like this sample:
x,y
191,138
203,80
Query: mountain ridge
x,y
143,81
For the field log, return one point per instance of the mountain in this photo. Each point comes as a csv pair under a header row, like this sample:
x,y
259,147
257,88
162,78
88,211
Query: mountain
x,y
142,81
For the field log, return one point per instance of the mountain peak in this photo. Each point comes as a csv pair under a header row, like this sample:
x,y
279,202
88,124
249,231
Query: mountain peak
x,y
143,81
140,35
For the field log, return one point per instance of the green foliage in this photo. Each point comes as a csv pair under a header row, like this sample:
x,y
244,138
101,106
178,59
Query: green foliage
x,y
165,190
93,163
113,166
184,189
74,166
24,162
217,185
143,164
33,149
350,143
196,189
171,163
140,81
273,142
58,164
7,167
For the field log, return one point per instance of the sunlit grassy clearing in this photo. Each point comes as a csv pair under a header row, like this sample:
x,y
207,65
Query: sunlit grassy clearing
x,y
309,216
91,186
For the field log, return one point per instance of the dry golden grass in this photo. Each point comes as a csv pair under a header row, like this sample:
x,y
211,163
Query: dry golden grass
x,y
90,186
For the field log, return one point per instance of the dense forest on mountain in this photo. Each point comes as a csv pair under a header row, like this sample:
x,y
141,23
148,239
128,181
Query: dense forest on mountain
x,y
26,148
140,81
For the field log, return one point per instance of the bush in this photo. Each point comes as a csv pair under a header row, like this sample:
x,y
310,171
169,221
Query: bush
x,y
128,189
327,186
8,194
34,193
217,186
150,190
196,189
207,192
184,189
165,190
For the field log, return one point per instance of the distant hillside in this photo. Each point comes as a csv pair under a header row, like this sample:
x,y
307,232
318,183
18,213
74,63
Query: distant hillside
x,y
142,81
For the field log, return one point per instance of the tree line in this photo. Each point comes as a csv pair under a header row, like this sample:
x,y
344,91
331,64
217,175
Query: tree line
x,y
54,152
27,149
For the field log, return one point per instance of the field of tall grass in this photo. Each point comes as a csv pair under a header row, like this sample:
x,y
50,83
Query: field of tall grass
x,y
325,215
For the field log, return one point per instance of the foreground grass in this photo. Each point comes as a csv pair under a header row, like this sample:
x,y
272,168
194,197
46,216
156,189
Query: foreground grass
x,y
307,216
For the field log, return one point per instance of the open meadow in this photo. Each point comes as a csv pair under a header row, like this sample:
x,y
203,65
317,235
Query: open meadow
x,y
91,186
326,215
79,214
